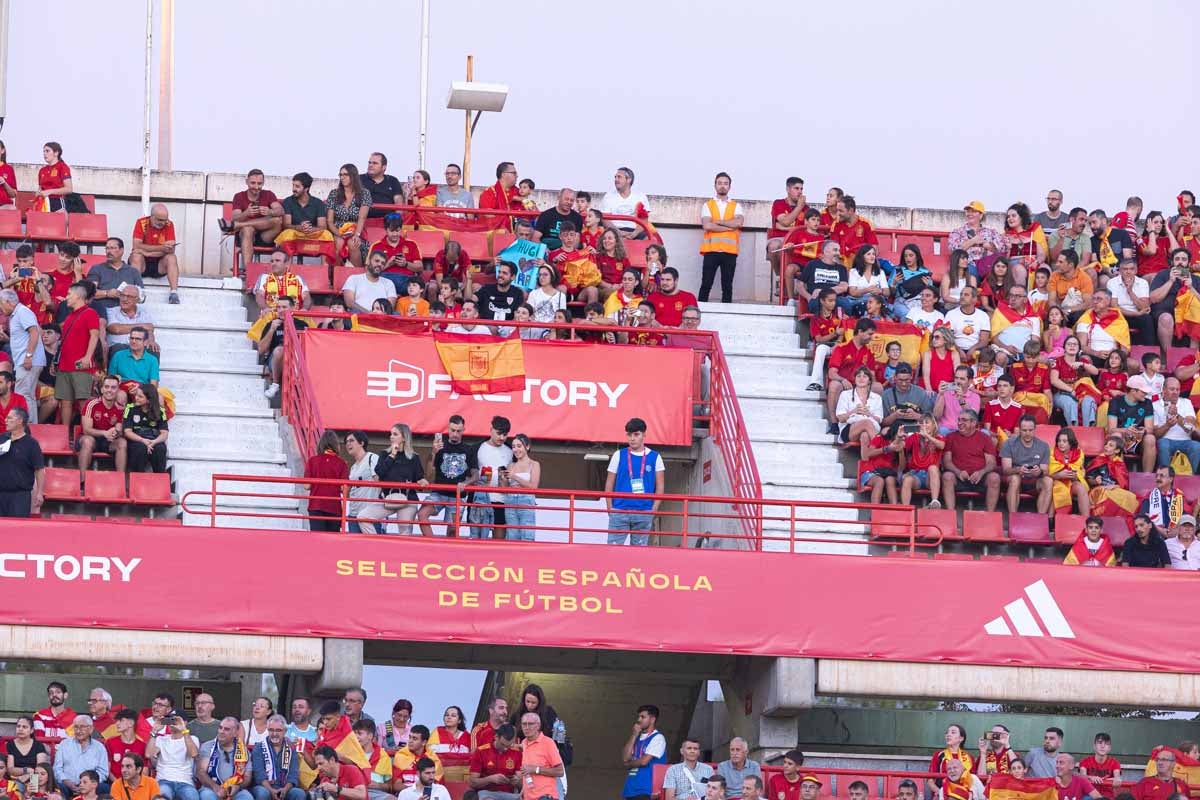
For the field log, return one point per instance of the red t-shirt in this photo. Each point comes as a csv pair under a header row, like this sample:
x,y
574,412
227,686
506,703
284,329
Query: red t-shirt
x,y
144,230
404,247
611,268
807,246
1095,769
998,418
1152,788
8,190
778,209
885,459
349,777
848,357
780,788
103,418
458,271
61,282
75,329
1150,264
852,237
486,761
1030,380
14,401
917,459
823,326
668,308
968,452
1079,788
117,750
53,177
241,200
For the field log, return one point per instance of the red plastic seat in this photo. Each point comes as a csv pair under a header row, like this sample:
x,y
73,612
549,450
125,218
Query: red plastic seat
x,y
254,270
150,489
1029,528
316,276
428,242
1175,356
1067,528
1117,530
891,523
939,521
88,229
10,224
45,262
53,440
1091,440
456,789
953,557
8,258
91,259
70,518
635,251
1190,486
475,243
104,487
62,484
501,240
1140,483
46,226
373,229
983,526
342,274
1048,433
1137,351
89,202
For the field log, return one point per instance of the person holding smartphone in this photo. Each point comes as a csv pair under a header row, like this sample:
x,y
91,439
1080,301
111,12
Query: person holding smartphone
x,y
425,788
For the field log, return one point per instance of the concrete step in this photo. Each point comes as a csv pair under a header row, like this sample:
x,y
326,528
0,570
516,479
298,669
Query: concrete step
x,y
724,310
190,339
193,389
840,543
228,452
198,312
206,410
783,347
787,438
780,413
812,477
747,324
262,446
208,359
196,282
822,454
227,429
816,495
199,297
196,476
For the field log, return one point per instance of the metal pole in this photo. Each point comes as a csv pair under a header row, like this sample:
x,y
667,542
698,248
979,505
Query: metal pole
x,y
146,115
424,111
166,86
466,165
3,60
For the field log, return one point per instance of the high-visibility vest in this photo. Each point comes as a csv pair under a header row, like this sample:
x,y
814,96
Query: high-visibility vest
x,y
721,241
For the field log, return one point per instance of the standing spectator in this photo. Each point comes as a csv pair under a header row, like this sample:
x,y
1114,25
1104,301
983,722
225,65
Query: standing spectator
x,y
1041,760
276,771
384,189
22,470
68,269
346,214
25,342
453,194
524,473
969,462
787,214
1162,784
645,747
324,500
685,780
1053,217
362,468
398,464
8,180
362,290
850,230
305,219
1182,548
494,773
1132,418
670,301
1070,784
501,196
980,242
546,228
154,246
53,721
452,742
627,516
80,752
995,755
542,764
108,276
257,215
625,202
102,428
124,318
145,427
737,767
54,179
174,755
955,750
722,222
493,455
454,464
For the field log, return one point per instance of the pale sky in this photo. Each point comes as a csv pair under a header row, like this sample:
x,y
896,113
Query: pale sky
x,y
923,103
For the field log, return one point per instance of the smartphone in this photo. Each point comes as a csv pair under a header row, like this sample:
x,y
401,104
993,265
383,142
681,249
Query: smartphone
x,y
25,272
437,437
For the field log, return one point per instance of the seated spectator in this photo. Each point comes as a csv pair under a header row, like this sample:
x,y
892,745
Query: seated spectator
x,y
1025,463
1131,296
1039,295
126,740
1154,245
1031,382
867,279
1113,380
154,244
960,783
850,230
987,375
305,222
1128,416
276,766
467,323
1164,504
1146,548
1102,329
685,780
8,191
826,271
280,281
1106,474
1069,783
424,786
404,763
82,752
52,722
1110,245
1066,470
885,371
844,361
257,215
621,304
1093,548
54,179
824,332
1074,391
1056,333
546,228
495,769
939,362
450,265
502,196
145,428
975,239
378,773
452,194
802,245
135,364
1070,288
994,288
345,215
47,787
1014,323
970,325
958,276
386,189
879,465
737,768
1076,237
413,304
1182,547
135,783
1025,241
383,306
106,278
9,399
174,757
223,767
922,460
859,410
393,734
670,301
625,202
102,431
1165,288
580,274
909,281
127,316
1053,217
904,403
361,291
1163,784
525,189
611,260
67,270
402,257
334,779
969,462
1174,423
499,301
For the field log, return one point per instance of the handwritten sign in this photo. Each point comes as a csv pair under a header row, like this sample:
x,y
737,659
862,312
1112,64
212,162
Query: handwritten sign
x,y
522,252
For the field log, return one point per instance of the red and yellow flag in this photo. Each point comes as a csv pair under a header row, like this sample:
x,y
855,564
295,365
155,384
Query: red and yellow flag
x,y
908,335
1187,313
482,364
1079,553
1187,769
1006,787
382,323
1070,462
580,271
1113,322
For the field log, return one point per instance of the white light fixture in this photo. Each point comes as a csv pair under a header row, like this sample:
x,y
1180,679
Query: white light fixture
x,y
474,96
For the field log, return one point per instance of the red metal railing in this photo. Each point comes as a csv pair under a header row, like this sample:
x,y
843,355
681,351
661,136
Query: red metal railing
x,y
720,410
571,516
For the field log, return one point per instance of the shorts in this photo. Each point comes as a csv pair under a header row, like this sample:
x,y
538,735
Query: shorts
x,y
73,386
966,486
442,503
844,434
921,476
103,445
151,269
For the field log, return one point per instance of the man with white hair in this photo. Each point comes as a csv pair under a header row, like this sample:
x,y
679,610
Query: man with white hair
x,y
25,341
276,765
154,246
737,768
79,753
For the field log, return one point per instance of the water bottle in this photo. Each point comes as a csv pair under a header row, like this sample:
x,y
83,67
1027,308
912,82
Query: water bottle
x,y
560,732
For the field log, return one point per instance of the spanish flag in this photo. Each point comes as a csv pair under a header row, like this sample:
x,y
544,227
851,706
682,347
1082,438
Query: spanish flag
x,y
1113,322
341,739
1059,461
1187,313
106,724
382,323
1005,317
579,271
908,335
481,364
1006,787
1187,769
1079,553
1086,387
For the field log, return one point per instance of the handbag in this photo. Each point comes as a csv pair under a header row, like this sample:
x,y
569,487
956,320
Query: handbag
x,y
1180,463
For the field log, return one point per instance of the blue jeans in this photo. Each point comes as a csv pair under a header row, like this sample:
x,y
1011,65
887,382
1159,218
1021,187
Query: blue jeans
x,y
399,281
1071,408
209,794
178,790
522,520
261,793
1168,448
622,521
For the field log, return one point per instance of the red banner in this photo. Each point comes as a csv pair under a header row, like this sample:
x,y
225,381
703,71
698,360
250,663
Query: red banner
x,y
369,381
592,596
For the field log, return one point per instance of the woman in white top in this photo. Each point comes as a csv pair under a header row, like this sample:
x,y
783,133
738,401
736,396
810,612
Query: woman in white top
x,y
546,299
254,730
860,411
958,275
866,278
524,473
362,468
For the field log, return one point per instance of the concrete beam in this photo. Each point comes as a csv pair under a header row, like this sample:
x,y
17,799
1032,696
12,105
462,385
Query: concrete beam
x,y
162,648
763,698
343,666
1011,684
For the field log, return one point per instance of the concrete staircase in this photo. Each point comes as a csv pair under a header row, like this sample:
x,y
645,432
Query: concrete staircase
x,y
786,422
223,423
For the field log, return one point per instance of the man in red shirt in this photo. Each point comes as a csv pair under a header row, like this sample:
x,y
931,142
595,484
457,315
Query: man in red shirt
x,y
843,361
670,301
1163,783
851,231
76,353
8,398
485,732
102,430
68,270
1002,414
126,740
257,215
334,780
788,784
403,256
154,246
786,212
52,721
1070,784
496,767
502,195
969,462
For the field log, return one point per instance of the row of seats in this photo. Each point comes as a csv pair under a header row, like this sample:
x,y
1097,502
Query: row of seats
x,y
53,226
114,519
48,262
934,246
26,198
145,488
834,783
987,527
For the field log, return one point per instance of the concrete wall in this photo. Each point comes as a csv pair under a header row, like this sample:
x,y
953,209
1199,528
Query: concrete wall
x,y
195,198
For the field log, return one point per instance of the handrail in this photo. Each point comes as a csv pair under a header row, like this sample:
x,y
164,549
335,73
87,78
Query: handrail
x,y
299,402
644,224
690,511
733,440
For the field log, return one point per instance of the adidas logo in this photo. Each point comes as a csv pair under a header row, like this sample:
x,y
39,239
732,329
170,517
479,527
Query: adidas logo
x,y
1026,620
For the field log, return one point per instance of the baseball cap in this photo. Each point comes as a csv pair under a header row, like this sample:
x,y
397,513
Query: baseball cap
x,y
977,205
812,778
1187,519
1139,383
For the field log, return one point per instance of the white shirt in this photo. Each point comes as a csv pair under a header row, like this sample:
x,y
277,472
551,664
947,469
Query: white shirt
x,y
877,280
1184,408
417,792
849,400
366,293
252,736
1121,295
613,203
116,316
967,327
1020,332
363,470
1176,550
489,455
925,320
1099,339
173,763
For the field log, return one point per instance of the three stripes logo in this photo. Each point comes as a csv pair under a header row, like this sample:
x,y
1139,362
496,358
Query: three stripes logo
x,y
1025,620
